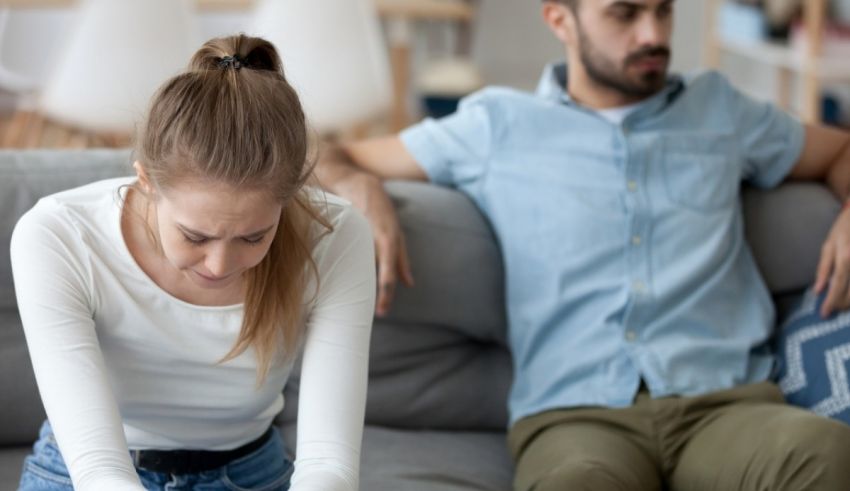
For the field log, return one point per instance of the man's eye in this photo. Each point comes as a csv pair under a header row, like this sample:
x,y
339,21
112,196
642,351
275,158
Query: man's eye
x,y
624,14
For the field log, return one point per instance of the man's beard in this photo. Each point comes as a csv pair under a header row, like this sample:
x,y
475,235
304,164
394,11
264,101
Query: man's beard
x,y
605,72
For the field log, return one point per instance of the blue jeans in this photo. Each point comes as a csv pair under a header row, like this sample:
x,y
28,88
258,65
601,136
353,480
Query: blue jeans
x,y
265,469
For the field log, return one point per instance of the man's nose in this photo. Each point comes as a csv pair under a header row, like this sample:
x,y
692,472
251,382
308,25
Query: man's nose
x,y
651,31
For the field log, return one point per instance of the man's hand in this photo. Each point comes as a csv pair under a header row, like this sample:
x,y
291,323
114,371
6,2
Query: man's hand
x,y
366,192
834,266
826,157
355,171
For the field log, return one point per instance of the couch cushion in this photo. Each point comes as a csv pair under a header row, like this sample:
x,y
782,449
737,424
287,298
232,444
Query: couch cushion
x,y
455,260
425,376
433,356
21,412
11,465
785,230
27,175
814,359
408,460
438,359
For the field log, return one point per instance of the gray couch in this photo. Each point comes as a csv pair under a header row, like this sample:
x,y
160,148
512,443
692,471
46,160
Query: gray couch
x,y
439,372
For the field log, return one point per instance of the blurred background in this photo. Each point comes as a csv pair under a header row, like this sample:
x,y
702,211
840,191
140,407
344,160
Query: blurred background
x,y
78,73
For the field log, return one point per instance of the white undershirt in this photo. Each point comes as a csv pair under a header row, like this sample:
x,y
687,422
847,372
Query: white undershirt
x,y
616,115
121,364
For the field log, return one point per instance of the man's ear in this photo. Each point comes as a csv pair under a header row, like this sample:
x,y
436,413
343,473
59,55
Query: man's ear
x,y
144,181
561,21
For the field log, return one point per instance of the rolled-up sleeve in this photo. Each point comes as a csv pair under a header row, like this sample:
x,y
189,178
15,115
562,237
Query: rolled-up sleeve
x,y
770,140
454,150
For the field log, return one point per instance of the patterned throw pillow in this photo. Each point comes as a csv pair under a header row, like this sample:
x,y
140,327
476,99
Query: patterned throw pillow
x,y
814,358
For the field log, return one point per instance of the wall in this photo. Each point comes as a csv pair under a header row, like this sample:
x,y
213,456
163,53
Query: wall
x,y
512,43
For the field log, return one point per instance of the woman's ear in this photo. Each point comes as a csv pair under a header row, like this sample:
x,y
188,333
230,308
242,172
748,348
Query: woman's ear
x,y
144,182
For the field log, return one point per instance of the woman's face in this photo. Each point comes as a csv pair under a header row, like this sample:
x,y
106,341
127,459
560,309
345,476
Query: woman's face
x,y
213,233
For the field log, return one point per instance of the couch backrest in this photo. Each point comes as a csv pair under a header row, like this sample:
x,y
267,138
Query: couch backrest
x,y
26,176
438,359
786,228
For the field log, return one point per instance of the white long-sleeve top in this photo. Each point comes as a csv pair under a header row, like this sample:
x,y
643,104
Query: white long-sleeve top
x,y
122,364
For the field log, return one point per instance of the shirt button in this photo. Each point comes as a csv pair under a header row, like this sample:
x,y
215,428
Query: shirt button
x,y
636,240
638,287
631,335
632,185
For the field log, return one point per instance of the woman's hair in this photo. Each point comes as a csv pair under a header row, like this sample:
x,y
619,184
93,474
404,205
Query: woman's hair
x,y
232,117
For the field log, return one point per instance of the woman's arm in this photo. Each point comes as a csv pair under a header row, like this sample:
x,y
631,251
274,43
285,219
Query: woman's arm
x,y
53,292
334,371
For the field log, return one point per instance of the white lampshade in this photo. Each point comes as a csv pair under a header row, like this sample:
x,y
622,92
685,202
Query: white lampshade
x,y
117,55
333,54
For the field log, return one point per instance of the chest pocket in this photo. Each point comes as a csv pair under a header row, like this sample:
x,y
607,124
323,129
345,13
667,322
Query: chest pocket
x,y
701,172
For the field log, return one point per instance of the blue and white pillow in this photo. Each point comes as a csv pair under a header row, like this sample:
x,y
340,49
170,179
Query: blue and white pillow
x,y
814,359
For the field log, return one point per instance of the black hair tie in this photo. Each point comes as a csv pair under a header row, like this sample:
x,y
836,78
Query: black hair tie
x,y
231,61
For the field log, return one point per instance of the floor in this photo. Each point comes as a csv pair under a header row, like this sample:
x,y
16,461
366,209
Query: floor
x,y
27,129
22,129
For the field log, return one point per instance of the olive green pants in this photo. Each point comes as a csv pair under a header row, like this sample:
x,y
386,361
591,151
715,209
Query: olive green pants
x,y
745,438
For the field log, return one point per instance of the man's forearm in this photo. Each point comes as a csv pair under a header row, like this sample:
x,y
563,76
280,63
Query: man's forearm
x,y
838,177
336,171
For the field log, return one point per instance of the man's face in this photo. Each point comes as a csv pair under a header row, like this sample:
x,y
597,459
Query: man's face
x,y
625,45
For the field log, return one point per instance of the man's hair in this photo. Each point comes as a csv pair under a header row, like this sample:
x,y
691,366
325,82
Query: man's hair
x,y
572,4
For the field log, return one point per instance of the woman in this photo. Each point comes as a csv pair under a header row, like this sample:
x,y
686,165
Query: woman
x,y
163,313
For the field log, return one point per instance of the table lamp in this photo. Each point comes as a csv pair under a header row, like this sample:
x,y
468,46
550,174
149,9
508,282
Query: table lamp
x,y
115,58
334,56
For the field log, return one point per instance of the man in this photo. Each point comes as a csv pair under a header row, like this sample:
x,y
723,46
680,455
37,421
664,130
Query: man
x,y
638,320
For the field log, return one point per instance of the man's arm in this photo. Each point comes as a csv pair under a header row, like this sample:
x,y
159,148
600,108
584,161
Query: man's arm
x,y
356,171
826,157
385,157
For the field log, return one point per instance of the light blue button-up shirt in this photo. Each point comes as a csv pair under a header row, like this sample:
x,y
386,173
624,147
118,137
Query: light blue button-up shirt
x,y
623,245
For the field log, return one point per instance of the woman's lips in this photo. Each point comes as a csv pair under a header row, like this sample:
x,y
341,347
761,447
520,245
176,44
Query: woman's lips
x,y
212,279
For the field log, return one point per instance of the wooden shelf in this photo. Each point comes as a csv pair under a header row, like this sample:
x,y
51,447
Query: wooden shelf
x,y
201,4
426,9
782,56
810,66
412,9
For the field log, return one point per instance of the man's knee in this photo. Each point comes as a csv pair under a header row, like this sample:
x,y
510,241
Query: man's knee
x,y
813,453
586,475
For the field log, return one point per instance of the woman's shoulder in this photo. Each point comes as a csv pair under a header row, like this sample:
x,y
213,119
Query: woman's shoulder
x,y
91,195
66,214
337,211
93,192
347,223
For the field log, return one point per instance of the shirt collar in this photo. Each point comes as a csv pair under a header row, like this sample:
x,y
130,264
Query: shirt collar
x,y
553,83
